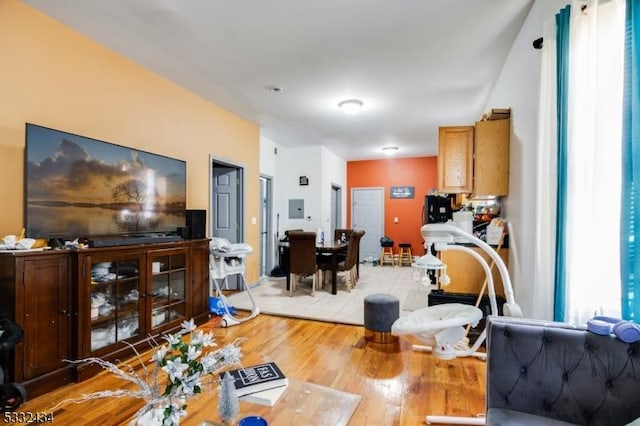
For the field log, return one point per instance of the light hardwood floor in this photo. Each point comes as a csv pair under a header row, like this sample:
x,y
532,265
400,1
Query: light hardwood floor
x,y
398,386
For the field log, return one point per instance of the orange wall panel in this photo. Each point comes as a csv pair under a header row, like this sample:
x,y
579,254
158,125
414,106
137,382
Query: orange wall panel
x,y
55,77
419,172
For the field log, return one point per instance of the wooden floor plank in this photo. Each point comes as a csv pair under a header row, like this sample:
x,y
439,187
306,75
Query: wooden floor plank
x,y
398,386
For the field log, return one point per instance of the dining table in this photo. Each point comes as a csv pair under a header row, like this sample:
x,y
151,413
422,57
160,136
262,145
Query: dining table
x,y
331,249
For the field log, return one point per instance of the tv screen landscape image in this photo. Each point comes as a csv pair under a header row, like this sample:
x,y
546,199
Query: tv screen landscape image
x,y
79,187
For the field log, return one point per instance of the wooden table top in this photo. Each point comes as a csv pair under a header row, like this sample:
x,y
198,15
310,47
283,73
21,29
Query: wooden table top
x,y
326,247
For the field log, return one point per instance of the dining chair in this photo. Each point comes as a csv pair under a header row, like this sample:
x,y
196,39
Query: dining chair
x,y
337,234
357,259
286,233
302,259
348,265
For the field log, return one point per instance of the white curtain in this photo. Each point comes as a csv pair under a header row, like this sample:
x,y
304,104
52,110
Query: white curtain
x,y
544,250
594,144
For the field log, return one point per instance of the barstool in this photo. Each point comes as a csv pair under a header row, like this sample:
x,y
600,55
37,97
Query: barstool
x,y
405,257
386,254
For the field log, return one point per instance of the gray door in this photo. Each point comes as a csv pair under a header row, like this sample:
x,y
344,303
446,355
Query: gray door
x,y
367,214
336,208
226,206
226,188
266,242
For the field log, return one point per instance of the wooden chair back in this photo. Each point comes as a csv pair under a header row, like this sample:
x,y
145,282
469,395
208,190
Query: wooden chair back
x,y
302,252
353,250
286,233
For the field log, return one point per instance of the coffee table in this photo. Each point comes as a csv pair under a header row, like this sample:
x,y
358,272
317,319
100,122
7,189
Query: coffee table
x,y
302,403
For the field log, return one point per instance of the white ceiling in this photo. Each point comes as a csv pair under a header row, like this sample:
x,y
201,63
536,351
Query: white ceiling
x,y
416,64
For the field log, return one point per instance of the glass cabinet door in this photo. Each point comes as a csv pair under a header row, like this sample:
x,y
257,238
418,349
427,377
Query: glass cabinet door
x,y
168,287
115,301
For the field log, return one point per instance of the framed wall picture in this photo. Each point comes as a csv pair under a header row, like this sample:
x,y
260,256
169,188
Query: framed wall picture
x,y
304,181
402,192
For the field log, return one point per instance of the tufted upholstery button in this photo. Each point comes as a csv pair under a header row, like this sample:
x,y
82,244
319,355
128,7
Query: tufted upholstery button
x,y
560,372
588,416
506,333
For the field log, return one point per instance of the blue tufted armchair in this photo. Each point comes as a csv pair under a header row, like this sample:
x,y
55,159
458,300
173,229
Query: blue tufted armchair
x,y
545,373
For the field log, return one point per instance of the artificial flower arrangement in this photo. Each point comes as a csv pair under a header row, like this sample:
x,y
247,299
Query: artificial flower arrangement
x,y
186,363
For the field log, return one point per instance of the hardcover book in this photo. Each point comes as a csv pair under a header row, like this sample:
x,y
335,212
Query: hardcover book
x,y
258,378
267,397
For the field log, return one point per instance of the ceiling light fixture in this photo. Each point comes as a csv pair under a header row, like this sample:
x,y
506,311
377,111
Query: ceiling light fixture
x,y
351,106
390,150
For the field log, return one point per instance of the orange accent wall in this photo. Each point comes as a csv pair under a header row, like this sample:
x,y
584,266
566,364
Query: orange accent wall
x,y
419,172
55,77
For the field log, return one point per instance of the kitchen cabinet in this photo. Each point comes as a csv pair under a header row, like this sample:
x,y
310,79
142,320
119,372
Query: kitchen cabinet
x,y
36,295
455,159
126,294
475,159
491,162
466,274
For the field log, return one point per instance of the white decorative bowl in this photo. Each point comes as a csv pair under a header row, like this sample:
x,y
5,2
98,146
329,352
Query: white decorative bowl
x,y
25,243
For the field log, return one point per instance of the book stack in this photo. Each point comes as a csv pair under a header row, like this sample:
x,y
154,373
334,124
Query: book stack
x,y
497,114
260,384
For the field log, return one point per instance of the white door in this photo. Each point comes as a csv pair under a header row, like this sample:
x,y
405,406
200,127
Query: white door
x,y
367,214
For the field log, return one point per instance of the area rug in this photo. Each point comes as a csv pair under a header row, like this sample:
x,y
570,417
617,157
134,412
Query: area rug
x,y
416,299
345,307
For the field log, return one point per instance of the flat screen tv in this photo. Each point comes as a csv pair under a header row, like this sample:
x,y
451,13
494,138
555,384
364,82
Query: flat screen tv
x,y
79,187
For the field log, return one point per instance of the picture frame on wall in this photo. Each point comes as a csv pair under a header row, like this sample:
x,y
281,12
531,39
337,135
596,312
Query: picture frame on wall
x,y
402,192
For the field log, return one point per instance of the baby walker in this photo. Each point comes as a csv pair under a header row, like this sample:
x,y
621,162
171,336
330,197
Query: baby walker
x,y
227,259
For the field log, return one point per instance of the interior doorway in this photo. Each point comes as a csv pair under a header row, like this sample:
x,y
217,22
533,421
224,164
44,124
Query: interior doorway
x,y
227,206
267,244
336,208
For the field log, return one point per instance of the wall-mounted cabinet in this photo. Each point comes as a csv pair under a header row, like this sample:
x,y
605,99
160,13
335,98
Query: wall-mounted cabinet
x,y
491,162
474,159
455,159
